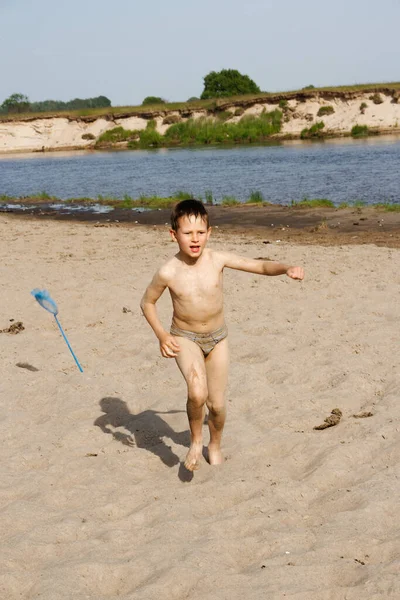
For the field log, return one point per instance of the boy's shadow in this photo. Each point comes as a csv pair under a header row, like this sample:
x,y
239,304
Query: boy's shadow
x,y
146,430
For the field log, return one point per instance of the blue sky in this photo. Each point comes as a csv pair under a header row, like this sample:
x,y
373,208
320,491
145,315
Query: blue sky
x,y
127,50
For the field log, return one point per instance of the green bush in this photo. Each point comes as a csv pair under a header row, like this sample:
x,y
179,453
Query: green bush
x,y
209,197
325,110
228,82
171,119
75,104
150,138
255,197
363,106
314,203
182,195
151,124
224,115
388,206
153,100
155,202
229,201
16,103
376,98
193,99
117,134
206,130
313,132
359,131
239,111
88,136
283,104
396,97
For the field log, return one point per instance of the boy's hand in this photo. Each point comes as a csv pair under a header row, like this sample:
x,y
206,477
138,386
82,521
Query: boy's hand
x,y
169,347
295,273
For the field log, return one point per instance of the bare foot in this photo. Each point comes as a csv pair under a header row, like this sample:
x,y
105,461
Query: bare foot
x,y
215,455
192,461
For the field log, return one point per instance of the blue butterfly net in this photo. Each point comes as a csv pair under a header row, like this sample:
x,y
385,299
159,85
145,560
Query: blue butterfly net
x,y
44,299
47,302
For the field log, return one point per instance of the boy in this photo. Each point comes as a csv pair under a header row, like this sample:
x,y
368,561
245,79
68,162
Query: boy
x,y
198,336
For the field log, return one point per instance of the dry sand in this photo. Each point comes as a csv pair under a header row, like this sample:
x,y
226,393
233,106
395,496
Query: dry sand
x,y
95,503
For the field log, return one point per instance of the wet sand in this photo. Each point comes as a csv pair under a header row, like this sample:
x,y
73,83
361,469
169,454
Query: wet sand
x,y
324,226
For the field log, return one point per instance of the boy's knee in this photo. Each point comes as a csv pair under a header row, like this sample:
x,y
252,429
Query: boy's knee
x,y
198,396
216,408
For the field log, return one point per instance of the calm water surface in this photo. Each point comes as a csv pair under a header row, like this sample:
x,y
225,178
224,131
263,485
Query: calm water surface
x,y
341,170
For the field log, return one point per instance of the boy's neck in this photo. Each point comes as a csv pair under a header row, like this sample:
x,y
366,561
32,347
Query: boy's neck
x,y
191,261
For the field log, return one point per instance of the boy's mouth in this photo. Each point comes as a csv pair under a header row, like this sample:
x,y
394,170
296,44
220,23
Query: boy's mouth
x,y
195,248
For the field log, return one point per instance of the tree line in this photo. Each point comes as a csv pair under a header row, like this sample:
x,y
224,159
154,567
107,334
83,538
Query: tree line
x,y
225,83
19,103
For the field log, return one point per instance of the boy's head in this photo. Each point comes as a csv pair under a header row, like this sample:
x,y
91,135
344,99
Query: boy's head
x,y
190,228
188,208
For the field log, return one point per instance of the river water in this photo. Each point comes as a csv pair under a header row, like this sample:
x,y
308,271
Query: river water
x,y
343,170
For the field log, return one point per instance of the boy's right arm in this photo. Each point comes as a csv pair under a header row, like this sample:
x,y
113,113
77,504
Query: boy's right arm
x,y
168,345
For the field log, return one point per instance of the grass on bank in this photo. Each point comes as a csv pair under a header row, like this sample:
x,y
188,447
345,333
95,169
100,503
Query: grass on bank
x,y
314,203
315,131
202,131
208,105
360,131
155,202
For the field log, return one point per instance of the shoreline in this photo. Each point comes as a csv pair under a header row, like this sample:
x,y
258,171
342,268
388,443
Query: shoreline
x,y
276,138
272,224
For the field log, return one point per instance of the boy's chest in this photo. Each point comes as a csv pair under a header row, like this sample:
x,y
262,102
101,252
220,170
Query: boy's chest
x,y
202,283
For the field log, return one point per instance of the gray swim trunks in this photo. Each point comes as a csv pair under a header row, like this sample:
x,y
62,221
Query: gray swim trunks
x,y
205,341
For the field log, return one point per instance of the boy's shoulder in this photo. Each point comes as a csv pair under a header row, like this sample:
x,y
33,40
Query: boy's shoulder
x,y
168,269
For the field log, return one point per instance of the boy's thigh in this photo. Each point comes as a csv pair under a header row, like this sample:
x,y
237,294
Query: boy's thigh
x,y
190,360
217,368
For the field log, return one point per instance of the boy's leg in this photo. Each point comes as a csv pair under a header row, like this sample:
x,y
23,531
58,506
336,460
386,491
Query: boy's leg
x,y
217,364
190,361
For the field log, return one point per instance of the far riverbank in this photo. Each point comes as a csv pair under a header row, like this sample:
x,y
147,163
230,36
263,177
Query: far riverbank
x,y
307,115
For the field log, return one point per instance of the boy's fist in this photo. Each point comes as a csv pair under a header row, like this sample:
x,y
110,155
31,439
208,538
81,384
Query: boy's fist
x,y
295,272
169,347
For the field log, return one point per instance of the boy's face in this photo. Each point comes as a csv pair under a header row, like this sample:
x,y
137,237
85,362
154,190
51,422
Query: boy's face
x,y
192,235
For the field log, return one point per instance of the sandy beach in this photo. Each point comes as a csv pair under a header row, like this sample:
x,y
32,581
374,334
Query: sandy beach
x,y
95,501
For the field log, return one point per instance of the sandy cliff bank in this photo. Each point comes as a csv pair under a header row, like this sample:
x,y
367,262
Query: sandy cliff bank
x,y
381,115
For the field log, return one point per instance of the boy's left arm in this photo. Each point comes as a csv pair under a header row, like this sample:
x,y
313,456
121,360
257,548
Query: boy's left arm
x,y
260,267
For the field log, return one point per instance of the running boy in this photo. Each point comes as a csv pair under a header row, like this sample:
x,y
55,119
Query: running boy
x,y
198,335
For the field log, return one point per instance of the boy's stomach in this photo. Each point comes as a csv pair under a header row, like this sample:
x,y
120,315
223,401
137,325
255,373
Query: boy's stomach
x,y
199,320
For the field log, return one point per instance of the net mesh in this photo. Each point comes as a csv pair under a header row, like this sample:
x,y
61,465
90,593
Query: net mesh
x,y
45,300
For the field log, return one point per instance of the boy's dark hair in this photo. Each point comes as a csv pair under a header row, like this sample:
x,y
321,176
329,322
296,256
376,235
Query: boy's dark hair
x,y
187,208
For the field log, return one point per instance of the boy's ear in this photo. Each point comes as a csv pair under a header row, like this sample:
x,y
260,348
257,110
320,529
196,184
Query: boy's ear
x,y
172,233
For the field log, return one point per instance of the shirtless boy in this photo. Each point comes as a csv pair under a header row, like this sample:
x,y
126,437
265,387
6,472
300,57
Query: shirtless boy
x,y
198,335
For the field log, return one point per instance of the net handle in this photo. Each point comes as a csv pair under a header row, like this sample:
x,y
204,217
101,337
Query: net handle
x,y
68,344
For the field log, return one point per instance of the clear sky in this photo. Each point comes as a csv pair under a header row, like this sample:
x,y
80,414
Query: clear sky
x,y
127,50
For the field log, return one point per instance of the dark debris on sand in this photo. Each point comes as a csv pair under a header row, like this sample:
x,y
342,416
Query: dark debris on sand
x,y
332,420
14,328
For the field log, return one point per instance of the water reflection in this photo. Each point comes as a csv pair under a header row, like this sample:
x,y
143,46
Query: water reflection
x,y
342,170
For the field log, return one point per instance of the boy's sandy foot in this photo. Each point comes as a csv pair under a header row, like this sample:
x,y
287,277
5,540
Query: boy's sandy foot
x,y
215,455
192,460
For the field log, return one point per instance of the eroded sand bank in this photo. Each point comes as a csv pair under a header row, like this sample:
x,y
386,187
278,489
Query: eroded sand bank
x,y
59,133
